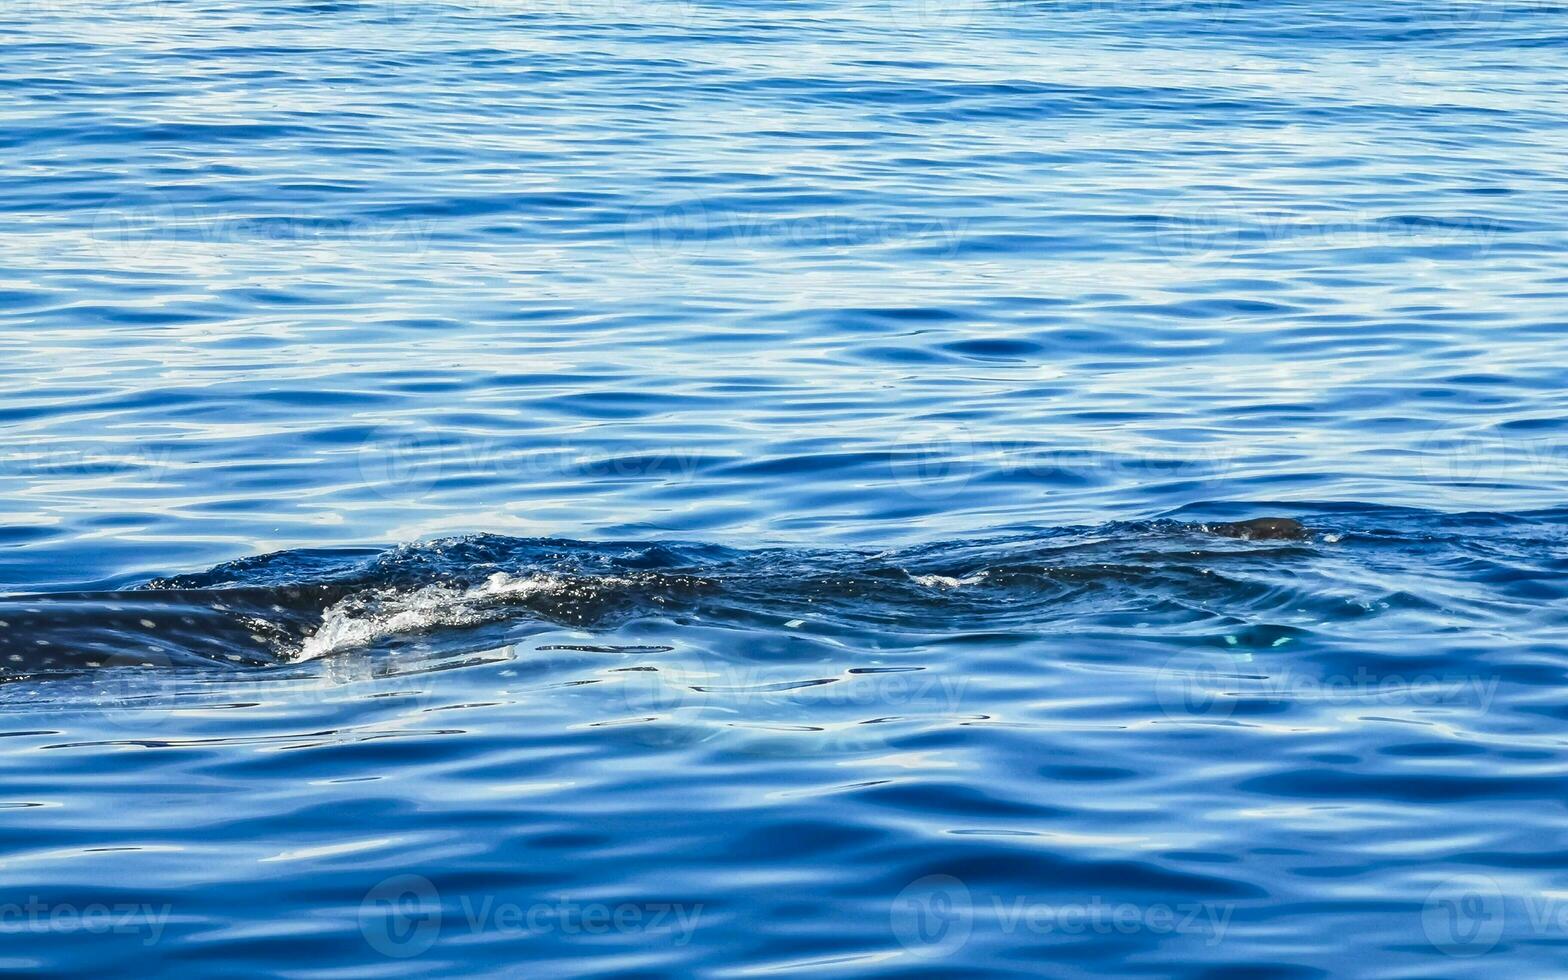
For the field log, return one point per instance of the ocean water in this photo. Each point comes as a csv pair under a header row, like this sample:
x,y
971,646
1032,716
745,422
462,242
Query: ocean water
x,y
677,487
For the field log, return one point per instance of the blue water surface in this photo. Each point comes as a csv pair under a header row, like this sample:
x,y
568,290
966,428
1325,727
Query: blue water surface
x,y
669,487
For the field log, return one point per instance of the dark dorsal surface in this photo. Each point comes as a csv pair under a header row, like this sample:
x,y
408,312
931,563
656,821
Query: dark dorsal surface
x,y
1262,529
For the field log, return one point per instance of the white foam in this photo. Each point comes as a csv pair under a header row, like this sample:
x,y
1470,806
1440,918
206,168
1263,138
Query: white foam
x,y
947,581
359,621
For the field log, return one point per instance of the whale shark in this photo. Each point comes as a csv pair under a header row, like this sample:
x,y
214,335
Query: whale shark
x,y
1262,529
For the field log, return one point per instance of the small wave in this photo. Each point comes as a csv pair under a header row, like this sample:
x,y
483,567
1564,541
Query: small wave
x,y
1167,577
948,581
361,620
